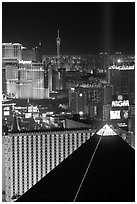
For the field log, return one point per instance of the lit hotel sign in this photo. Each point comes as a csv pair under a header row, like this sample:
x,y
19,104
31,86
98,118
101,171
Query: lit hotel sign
x,y
120,102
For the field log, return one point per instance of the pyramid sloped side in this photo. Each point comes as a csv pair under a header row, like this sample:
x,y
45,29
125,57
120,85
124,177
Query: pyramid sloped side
x,y
109,178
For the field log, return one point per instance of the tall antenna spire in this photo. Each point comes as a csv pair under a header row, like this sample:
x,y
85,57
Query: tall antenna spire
x,y
58,40
58,34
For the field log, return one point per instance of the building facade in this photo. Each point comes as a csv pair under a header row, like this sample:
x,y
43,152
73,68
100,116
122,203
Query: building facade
x,y
122,116
122,78
29,54
90,99
33,78
12,51
19,76
30,156
9,76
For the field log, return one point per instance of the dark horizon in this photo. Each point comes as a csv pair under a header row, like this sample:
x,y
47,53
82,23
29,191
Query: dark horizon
x,y
85,28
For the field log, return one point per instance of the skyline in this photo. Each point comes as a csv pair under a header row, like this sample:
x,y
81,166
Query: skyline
x,y
68,99
85,28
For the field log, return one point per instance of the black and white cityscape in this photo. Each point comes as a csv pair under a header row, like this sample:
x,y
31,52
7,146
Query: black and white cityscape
x,y
68,101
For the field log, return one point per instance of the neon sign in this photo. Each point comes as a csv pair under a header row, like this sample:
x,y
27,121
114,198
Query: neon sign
x,y
122,124
6,113
120,103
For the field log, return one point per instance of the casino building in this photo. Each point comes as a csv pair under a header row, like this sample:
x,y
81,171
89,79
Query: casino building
x,y
30,156
19,75
119,112
122,78
122,116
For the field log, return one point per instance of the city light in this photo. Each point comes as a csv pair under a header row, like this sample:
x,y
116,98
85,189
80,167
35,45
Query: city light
x,y
123,67
120,103
122,124
55,102
81,113
25,62
106,131
28,115
80,94
6,113
72,89
115,114
119,60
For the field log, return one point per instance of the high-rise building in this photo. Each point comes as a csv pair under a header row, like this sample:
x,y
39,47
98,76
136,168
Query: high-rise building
x,y
78,100
104,60
25,79
114,80
4,85
12,51
122,78
101,63
62,78
15,124
10,76
55,80
30,156
29,54
50,79
131,121
90,99
38,52
127,81
33,78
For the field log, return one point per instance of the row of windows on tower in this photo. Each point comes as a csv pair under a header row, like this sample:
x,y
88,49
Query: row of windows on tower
x,y
46,139
33,156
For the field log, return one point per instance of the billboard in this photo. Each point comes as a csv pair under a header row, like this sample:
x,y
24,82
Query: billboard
x,y
6,113
120,103
28,115
118,114
115,115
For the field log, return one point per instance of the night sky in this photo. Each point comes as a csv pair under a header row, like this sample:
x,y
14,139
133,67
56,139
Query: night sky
x,y
85,28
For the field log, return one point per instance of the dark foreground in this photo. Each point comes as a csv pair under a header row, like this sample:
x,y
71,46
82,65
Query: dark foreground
x,y
110,178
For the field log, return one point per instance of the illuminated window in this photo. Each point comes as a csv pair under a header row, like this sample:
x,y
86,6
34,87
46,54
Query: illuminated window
x,y
80,94
125,114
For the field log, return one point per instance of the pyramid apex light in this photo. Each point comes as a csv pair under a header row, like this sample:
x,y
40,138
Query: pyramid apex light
x,y
106,131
